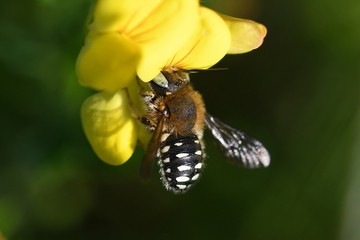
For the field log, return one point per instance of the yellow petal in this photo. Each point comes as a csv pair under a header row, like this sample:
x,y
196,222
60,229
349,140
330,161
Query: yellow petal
x,y
207,46
107,62
122,15
109,126
158,27
246,35
163,33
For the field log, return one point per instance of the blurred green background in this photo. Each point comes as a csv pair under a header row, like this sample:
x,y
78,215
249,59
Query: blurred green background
x,y
298,94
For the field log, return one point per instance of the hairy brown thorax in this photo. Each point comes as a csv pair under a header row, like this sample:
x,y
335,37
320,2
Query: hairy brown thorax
x,y
183,110
186,111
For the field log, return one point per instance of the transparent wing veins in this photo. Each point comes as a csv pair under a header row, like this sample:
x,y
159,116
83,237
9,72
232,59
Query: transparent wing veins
x,y
238,147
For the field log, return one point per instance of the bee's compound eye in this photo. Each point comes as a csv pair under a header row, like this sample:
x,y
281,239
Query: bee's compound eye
x,y
161,80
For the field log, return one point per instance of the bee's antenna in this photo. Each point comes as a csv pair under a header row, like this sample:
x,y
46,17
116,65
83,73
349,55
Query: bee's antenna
x,y
206,70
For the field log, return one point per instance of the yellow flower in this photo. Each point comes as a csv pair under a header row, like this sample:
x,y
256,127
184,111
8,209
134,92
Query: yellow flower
x,y
130,38
133,36
125,39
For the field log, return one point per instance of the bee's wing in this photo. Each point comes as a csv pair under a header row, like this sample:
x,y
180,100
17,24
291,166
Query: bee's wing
x,y
238,147
147,162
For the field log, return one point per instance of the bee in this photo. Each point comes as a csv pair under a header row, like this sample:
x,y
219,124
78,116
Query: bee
x,y
177,116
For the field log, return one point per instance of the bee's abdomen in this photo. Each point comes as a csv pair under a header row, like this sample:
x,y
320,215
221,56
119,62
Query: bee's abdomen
x,y
181,161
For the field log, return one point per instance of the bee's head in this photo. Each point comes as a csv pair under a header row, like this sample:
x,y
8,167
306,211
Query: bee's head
x,y
169,81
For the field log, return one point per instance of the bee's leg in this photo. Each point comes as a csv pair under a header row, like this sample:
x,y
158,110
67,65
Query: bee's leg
x,y
132,105
151,125
149,97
